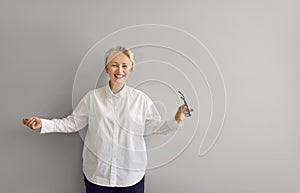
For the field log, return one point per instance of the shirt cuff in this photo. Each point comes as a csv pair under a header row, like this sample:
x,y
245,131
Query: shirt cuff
x,y
174,125
47,126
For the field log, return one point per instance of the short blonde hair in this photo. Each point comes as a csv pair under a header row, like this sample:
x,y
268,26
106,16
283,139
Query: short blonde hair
x,y
115,51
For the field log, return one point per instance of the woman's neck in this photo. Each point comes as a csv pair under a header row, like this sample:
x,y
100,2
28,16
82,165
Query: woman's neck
x,y
116,87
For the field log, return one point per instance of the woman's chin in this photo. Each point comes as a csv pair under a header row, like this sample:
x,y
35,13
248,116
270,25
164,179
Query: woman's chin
x,y
118,81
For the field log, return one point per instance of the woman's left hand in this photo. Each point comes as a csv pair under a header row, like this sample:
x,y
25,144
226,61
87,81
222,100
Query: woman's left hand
x,y
180,113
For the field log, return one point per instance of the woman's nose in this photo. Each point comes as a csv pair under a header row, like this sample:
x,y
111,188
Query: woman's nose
x,y
120,69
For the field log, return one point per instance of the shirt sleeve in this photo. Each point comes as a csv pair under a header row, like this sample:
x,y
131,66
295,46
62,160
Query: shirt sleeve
x,y
72,123
154,123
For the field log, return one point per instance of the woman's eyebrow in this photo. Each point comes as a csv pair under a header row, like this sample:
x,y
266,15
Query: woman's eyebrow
x,y
120,63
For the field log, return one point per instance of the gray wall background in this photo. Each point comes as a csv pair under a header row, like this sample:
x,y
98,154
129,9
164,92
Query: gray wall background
x,y
256,44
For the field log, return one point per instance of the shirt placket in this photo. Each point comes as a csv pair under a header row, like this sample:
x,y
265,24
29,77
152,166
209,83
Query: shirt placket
x,y
113,176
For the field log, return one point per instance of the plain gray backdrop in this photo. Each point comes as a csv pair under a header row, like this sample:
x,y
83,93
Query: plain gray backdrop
x,y
256,44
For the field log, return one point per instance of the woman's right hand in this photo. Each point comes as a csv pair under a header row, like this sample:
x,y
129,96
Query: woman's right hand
x,y
33,122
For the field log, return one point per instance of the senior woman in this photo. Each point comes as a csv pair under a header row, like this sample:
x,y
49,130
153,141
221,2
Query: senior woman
x,y
118,116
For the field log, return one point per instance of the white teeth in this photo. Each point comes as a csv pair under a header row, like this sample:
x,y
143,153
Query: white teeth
x,y
118,76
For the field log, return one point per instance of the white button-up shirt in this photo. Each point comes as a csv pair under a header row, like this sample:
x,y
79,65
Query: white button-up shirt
x,y
114,152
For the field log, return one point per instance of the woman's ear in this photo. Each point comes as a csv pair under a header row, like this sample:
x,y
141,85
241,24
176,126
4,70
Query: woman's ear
x,y
131,67
106,69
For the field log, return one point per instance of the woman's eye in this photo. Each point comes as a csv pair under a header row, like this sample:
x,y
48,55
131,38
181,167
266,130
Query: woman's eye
x,y
124,66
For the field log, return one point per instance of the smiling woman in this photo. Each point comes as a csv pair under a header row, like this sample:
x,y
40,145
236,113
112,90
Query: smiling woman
x,y
119,64
114,152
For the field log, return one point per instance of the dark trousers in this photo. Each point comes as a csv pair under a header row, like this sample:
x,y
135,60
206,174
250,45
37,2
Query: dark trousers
x,y
93,188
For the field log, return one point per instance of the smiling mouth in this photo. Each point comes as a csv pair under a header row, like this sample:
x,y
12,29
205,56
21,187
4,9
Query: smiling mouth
x,y
119,76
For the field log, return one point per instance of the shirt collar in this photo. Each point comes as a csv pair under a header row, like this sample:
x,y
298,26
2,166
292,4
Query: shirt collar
x,y
121,93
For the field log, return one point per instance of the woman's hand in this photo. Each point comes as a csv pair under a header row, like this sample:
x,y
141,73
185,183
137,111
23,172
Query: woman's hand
x,y
33,122
180,115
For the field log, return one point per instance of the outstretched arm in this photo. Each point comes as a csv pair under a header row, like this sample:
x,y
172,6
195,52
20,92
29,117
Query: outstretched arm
x,y
155,125
72,123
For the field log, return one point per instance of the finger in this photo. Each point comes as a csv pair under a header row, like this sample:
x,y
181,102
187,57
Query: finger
x,y
24,121
29,125
28,120
180,109
31,122
34,126
34,123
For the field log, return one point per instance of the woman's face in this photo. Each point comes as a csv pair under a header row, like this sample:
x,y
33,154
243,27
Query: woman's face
x,y
119,69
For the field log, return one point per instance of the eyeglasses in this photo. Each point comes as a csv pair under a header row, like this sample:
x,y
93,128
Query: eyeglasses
x,y
186,112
